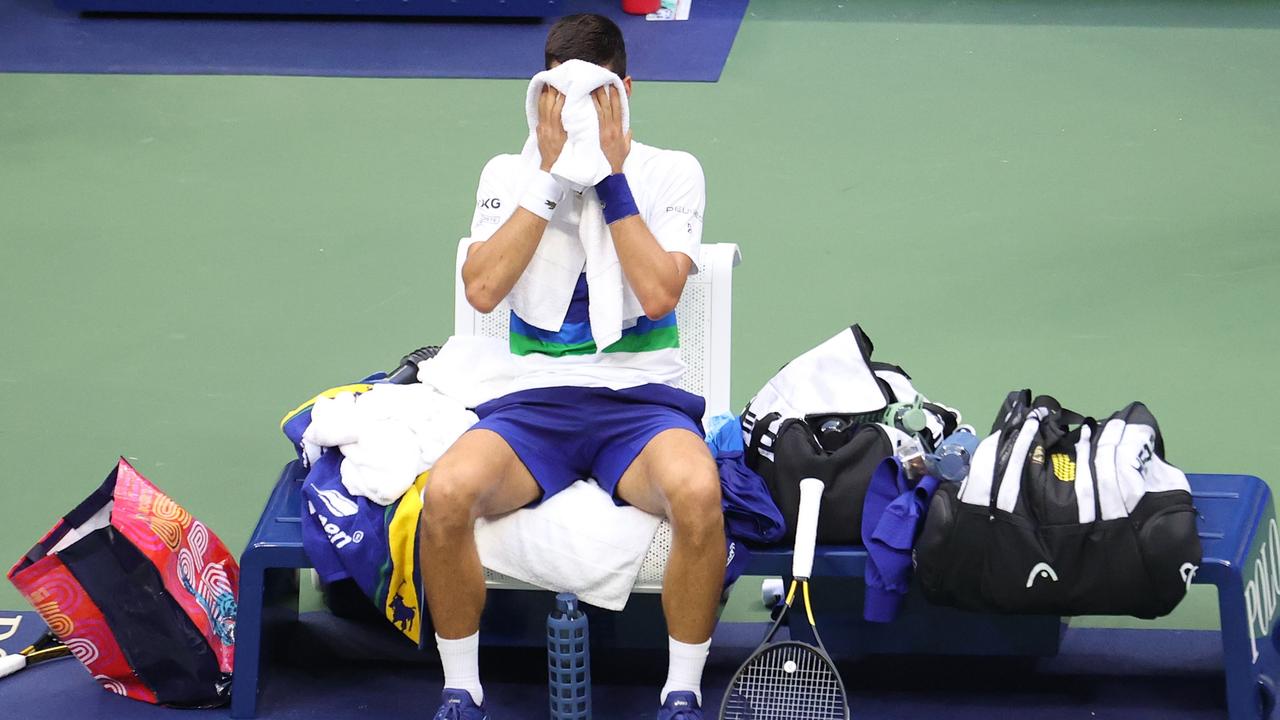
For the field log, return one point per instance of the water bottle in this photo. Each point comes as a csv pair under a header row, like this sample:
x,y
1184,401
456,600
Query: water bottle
x,y
910,417
912,457
568,660
951,460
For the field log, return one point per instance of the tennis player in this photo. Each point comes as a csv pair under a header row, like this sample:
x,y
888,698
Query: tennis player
x,y
616,416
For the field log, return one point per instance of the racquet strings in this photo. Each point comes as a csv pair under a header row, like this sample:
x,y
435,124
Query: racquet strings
x,y
787,682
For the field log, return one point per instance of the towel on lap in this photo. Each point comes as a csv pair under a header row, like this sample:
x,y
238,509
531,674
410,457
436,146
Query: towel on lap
x,y
577,541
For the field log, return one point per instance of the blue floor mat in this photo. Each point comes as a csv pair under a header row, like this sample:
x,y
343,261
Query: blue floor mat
x,y
1129,674
36,36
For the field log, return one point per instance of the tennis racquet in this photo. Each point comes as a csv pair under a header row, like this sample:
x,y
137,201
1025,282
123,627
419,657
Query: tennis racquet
x,y
790,680
48,647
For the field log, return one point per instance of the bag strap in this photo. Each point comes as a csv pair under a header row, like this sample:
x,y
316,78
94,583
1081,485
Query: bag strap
x,y
1058,422
758,432
948,417
864,343
1018,400
878,366
1094,436
1013,414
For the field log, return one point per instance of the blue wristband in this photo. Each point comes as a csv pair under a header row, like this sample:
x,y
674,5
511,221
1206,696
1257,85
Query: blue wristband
x,y
615,195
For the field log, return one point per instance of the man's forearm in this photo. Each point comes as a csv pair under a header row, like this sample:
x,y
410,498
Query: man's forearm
x,y
656,276
493,266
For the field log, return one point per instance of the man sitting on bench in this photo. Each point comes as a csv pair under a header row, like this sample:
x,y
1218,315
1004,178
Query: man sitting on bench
x,y
614,415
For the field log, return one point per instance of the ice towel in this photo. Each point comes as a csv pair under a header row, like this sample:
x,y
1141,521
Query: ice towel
x,y
542,294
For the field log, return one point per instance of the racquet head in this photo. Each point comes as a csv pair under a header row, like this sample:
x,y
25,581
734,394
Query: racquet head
x,y
786,681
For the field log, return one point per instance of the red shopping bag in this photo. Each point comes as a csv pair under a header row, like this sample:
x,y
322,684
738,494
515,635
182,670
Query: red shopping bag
x,y
142,593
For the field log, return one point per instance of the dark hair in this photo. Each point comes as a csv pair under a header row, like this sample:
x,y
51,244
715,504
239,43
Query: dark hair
x,y
590,37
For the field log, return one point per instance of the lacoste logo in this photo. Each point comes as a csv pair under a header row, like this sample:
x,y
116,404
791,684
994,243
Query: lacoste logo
x,y
551,204
1041,570
1188,573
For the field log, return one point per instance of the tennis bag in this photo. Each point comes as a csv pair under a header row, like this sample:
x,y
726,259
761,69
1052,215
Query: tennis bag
x,y
1062,515
820,416
142,593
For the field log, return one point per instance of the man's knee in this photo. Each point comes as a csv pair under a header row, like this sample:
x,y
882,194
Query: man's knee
x,y
452,495
693,494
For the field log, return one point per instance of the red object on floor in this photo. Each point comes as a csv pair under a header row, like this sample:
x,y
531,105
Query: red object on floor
x,y
641,7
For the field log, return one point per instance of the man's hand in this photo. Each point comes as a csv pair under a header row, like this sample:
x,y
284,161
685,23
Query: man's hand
x,y
615,143
551,133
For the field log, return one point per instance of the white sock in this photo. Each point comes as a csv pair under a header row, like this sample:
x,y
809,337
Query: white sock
x,y
461,661
685,669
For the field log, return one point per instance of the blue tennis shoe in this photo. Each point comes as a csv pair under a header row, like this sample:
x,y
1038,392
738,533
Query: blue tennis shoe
x,y
680,706
458,705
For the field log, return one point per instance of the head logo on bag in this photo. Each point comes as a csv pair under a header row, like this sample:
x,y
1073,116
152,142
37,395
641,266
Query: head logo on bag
x,y
1041,570
1188,573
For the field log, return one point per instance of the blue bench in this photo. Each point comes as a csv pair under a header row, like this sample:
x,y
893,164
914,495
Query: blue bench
x,y
1241,558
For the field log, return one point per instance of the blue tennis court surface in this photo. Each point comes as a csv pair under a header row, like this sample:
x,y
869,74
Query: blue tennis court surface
x,y
37,36
1129,674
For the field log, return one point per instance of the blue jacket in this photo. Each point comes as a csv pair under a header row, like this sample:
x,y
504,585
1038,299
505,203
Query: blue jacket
x,y
892,517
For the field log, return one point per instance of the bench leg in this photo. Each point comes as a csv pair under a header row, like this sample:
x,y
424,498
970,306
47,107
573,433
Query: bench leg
x,y
268,600
1244,699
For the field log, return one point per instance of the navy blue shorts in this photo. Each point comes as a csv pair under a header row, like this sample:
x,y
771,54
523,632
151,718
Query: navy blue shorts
x,y
565,434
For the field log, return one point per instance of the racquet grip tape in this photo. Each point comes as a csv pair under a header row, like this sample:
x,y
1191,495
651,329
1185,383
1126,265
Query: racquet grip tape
x,y
806,527
11,664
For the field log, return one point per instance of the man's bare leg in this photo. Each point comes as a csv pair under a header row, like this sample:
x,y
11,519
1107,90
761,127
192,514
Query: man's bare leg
x,y
478,477
675,476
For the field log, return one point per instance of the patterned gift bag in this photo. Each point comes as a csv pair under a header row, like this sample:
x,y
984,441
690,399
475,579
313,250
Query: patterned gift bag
x,y
143,593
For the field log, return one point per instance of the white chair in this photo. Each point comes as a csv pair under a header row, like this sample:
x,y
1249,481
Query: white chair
x,y
704,315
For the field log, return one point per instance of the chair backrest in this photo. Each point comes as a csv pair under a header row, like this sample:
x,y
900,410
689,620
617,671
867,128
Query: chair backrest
x,y
704,315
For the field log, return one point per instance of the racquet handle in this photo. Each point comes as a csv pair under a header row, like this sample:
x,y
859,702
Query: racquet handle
x,y
806,527
10,664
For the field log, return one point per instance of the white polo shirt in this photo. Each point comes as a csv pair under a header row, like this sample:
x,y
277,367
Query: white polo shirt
x,y
670,193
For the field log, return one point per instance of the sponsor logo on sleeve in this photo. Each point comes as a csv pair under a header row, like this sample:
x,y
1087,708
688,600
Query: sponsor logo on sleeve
x,y
490,203
682,210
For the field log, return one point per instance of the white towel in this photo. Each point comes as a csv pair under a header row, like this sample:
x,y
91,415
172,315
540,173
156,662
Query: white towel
x,y
388,436
470,369
542,294
578,541
582,163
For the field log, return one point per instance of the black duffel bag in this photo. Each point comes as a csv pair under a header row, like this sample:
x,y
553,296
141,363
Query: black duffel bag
x,y
823,415
845,470
1063,515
